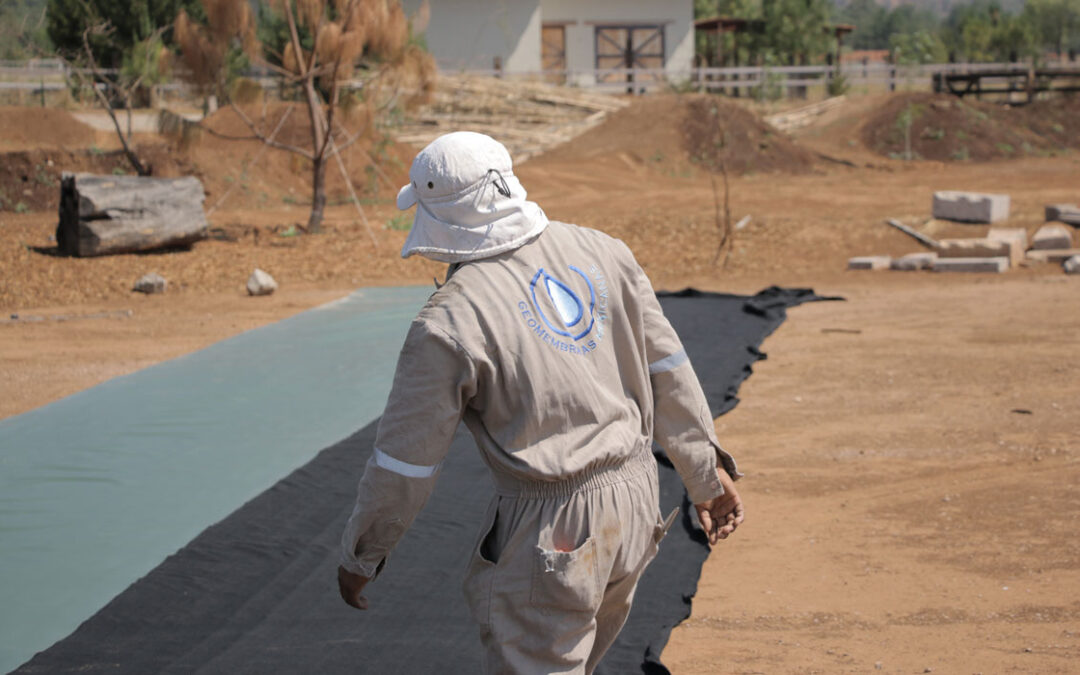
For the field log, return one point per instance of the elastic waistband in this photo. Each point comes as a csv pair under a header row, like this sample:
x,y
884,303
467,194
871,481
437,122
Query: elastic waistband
x,y
640,463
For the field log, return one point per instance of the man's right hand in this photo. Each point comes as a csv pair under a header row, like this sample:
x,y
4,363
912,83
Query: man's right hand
x,y
350,585
721,515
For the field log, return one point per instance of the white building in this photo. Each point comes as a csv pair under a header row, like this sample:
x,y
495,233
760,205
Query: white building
x,y
562,38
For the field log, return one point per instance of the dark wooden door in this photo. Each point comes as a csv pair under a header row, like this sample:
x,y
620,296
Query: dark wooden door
x,y
619,47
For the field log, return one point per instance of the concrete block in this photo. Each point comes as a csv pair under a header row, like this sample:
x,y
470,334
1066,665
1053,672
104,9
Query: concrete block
x,y
995,265
1061,211
915,261
1072,265
1052,236
1053,255
977,248
1009,234
869,262
971,207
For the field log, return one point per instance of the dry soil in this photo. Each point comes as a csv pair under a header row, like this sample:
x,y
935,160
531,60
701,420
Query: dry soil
x,y
911,454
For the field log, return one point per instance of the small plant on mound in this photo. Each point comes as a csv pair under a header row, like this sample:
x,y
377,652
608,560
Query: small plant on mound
x,y
838,84
401,222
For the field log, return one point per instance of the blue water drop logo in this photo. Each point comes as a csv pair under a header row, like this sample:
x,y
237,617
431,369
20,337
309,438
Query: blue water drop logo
x,y
569,307
566,302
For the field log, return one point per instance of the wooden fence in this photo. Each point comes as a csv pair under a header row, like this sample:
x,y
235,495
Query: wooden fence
x,y
765,81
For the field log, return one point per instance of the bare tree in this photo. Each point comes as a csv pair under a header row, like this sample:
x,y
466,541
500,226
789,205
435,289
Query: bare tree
x,y
110,86
332,46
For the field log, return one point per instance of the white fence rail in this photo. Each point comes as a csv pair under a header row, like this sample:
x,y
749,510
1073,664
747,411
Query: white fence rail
x,y
54,74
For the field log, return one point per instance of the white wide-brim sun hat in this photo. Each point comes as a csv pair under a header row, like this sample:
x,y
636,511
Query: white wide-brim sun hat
x,y
469,204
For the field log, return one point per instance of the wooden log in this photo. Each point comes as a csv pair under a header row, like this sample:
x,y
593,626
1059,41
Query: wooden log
x,y
102,215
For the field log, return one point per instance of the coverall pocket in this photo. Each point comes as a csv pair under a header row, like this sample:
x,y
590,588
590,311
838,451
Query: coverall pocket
x,y
660,531
480,578
566,580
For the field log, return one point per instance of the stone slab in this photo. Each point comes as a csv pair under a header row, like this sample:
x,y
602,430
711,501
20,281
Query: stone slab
x,y
977,248
1052,236
1072,265
994,265
970,207
869,262
1055,255
914,261
1062,211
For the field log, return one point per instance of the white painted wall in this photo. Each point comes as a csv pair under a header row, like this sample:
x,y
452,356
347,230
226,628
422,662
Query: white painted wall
x,y
469,34
677,17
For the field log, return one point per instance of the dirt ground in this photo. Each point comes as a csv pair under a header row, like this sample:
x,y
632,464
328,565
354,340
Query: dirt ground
x,y
904,512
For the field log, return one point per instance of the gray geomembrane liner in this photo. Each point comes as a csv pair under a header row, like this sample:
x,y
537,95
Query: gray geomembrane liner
x,y
98,488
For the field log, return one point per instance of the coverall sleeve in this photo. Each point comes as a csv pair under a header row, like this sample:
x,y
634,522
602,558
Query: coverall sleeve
x,y
682,423
434,381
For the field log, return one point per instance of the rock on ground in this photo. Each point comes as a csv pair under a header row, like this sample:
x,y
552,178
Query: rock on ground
x,y
150,284
261,283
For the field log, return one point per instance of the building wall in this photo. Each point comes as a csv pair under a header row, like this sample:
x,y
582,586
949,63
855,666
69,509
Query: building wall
x,y
470,34
581,17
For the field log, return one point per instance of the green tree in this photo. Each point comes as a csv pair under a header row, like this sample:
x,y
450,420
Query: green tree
x,y
22,29
797,31
1056,23
922,46
131,21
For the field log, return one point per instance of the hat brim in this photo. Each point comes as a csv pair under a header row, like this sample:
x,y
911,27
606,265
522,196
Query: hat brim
x,y
406,197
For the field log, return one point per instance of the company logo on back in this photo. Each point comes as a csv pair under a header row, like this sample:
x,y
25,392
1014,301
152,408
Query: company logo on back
x,y
568,311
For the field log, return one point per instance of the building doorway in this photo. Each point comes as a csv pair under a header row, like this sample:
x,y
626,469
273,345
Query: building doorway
x,y
629,48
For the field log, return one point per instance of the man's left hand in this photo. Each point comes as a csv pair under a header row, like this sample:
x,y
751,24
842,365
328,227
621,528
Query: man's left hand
x,y
351,586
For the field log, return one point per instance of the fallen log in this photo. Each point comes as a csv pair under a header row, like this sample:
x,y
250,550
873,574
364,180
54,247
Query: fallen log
x,y
102,215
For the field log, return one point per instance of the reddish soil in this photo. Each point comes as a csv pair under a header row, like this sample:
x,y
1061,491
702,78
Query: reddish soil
x,y
946,128
901,516
23,128
680,133
236,169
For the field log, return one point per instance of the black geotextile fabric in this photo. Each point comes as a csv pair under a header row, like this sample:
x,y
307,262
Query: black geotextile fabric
x,y
257,592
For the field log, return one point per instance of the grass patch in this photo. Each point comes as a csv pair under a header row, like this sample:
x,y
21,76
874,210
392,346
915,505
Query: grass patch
x,y
401,222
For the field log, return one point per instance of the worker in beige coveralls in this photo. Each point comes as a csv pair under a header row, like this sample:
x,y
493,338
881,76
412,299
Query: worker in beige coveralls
x,y
548,341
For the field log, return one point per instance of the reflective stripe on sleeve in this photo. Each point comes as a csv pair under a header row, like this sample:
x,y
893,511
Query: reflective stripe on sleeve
x,y
403,468
668,362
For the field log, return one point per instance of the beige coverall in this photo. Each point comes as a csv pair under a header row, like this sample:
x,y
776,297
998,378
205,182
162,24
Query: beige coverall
x,y
561,363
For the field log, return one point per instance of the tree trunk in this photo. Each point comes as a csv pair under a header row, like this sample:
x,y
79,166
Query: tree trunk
x,y
318,193
100,215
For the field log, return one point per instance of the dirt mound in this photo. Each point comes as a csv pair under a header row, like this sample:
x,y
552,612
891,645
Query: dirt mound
x,y
224,156
27,128
945,128
227,158
691,129
30,180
